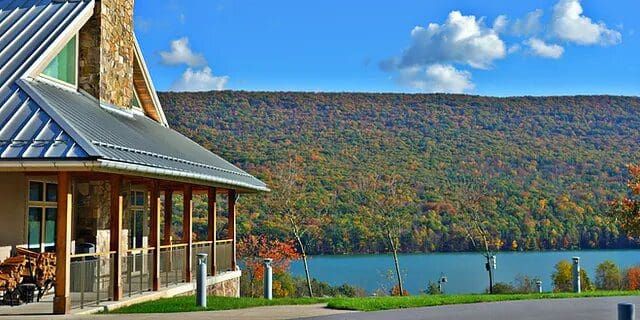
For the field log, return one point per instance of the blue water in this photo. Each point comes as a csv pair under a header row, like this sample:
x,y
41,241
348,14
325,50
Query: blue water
x,y
465,271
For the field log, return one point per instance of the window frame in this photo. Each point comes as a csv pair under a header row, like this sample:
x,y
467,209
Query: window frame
x,y
43,206
76,70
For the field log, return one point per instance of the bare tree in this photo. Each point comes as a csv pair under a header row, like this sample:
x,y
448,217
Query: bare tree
x,y
475,205
388,204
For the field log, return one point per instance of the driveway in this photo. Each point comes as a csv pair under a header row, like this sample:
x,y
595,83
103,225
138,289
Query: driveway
x,y
566,309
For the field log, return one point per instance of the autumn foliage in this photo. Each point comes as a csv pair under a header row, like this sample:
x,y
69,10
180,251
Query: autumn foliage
x,y
632,278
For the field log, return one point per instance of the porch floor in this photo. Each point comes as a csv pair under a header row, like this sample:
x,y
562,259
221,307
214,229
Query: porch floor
x,y
45,306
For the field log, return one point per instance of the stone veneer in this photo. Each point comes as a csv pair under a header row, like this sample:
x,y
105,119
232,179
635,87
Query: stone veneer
x,y
106,53
228,288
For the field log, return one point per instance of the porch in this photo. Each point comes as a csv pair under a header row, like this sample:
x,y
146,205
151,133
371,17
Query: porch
x,y
152,253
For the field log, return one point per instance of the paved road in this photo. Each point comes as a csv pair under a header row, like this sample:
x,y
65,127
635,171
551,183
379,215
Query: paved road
x,y
565,309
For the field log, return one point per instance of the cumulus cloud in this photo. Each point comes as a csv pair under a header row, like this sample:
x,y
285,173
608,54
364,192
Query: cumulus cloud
x,y
199,80
528,25
542,49
181,53
461,39
500,23
436,78
568,23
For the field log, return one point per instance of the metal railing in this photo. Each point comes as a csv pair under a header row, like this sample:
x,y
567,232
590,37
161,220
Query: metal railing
x,y
137,268
201,247
90,279
224,252
172,264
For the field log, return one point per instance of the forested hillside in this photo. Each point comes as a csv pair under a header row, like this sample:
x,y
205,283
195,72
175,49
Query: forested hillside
x,y
554,161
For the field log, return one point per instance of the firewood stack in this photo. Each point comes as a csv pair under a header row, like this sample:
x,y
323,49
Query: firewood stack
x,y
12,270
45,268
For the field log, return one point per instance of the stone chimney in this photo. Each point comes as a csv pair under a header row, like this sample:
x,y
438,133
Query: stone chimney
x,y
106,53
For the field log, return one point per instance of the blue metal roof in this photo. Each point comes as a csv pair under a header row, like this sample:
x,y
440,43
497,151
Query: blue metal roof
x,y
40,121
27,29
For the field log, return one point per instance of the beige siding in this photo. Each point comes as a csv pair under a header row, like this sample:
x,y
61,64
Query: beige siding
x,y
12,211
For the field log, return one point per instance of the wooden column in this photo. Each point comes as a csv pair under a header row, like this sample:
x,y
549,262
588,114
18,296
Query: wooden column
x,y
211,199
154,235
115,234
231,226
168,215
187,229
62,299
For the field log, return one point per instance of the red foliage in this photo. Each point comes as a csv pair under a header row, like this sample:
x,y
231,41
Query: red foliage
x,y
254,249
633,278
395,291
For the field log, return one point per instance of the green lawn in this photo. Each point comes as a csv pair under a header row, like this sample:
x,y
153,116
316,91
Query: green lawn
x,y
187,303
386,303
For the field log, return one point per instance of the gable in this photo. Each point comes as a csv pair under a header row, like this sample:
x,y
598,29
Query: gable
x,y
144,89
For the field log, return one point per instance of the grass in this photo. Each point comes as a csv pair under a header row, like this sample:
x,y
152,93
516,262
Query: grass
x,y
187,303
387,303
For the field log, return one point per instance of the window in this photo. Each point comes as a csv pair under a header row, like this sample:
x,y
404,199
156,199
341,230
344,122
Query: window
x,y
63,66
41,233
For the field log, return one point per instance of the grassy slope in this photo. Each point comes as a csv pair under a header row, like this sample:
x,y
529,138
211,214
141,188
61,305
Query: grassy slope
x,y
187,304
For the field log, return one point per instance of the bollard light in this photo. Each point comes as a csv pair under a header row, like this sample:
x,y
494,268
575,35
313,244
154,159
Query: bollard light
x,y
539,286
494,264
201,281
576,275
626,311
267,278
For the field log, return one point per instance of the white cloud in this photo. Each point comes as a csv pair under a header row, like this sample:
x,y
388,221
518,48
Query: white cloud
x,y
542,49
500,23
460,39
181,54
513,48
436,78
199,80
528,25
569,24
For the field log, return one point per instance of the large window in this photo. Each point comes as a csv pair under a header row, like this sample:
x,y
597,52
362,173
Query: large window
x,y
41,233
64,66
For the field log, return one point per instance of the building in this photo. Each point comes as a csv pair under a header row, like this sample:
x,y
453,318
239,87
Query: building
x,y
89,167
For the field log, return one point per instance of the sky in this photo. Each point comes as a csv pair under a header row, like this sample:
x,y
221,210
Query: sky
x,y
494,47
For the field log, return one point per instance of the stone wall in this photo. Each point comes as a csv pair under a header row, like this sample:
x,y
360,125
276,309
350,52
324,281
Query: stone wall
x,y
106,53
227,288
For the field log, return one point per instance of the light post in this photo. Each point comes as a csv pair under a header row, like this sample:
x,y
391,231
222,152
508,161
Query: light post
x,y
490,266
443,279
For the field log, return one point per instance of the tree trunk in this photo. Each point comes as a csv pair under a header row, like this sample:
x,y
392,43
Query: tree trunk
x,y
397,264
306,266
489,269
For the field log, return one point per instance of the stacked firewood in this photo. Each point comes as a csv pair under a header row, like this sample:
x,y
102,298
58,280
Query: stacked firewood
x,y
45,268
12,270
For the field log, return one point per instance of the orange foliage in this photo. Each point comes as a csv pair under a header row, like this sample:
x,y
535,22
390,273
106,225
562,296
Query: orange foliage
x,y
633,278
254,249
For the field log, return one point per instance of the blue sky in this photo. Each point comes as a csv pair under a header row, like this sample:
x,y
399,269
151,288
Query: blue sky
x,y
498,48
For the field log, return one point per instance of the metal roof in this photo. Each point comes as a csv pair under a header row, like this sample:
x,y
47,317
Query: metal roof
x,y
40,121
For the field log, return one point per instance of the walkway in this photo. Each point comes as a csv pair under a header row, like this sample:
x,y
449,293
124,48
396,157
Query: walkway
x,y
566,309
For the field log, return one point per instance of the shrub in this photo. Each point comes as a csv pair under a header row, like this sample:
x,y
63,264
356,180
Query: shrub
x,y
525,284
432,288
503,288
563,277
608,276
585,282
632,278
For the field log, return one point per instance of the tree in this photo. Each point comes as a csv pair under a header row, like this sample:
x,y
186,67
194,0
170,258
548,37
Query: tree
x,y
475,206
562,277
290,201
388,205
253,249
608,276
632,278
626,210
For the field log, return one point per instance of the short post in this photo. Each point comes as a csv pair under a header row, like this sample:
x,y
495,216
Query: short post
x,y
626,311
539,286
201,281
267,278
576,275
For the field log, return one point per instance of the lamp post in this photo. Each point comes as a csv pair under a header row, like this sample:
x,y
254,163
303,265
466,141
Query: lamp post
x,y
443,279
490,265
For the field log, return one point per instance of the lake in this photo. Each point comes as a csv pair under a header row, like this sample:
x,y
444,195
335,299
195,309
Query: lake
x,y
465,271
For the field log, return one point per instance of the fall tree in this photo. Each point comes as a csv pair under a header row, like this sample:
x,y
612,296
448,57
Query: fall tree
x,y
626,210
253,249
387,203
608,276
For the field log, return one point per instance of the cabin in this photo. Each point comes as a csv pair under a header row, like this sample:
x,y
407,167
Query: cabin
x,y
90,170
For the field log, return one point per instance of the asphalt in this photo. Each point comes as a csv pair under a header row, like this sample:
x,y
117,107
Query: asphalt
x,y
565,309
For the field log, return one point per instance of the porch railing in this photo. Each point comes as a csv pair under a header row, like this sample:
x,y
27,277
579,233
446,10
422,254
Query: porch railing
x,y
137,268
172,262
224,252
91,280
201,247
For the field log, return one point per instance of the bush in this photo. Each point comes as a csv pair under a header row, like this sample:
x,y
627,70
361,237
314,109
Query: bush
x,y
632,278
608,276
432,288
585,282
563,277
503,288
525,284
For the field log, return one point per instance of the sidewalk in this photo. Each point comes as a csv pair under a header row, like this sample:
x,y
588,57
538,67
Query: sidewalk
x,y
259,313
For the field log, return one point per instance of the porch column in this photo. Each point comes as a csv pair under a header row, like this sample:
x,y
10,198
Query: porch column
x,y
154,235
62,299
168,215
211,196
115,234
231,226
187,229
